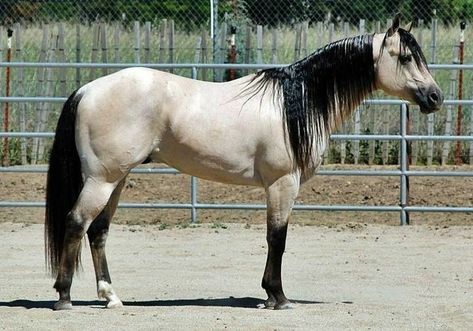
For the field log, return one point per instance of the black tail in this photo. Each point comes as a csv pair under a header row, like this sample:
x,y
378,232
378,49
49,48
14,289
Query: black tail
x,y
64,183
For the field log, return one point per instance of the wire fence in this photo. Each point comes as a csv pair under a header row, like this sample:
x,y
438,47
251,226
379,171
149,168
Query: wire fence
x,y
194,15
220,32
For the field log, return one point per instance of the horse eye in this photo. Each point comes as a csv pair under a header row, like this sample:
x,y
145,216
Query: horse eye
x,y
405,58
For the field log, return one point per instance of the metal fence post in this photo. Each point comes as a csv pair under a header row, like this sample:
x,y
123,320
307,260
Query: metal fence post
x,y
193,179
404,165
194,199
214,32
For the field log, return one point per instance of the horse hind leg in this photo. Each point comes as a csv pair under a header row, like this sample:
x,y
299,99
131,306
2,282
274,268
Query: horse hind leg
x,y
97,234
92,200
280,196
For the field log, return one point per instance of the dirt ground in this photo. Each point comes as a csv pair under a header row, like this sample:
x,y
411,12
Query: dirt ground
x,y
207,277
424,191
347,271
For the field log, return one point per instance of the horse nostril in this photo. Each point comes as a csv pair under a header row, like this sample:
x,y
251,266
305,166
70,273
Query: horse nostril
x,y
434,98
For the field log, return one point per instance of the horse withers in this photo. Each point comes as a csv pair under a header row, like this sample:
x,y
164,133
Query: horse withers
x,y
268,129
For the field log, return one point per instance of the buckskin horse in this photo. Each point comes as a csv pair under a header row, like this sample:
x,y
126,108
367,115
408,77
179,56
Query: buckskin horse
x,y
267,129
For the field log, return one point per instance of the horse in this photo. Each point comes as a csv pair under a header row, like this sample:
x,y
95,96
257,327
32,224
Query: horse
x,y
268,129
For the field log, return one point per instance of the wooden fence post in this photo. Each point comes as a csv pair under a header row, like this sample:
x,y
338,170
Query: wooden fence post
x,y
415,115
40,91
147,45
116,43
297,43
61,57
430,117
162,40
331,34
104,47
247,46
171,43
373,114
343,143
304,32
471,134
197,53
386,119
219,74
319,32
357,129
274,46
47,89
450,109
78,55
137,41
259,44
204,54
22,118
95,50
2,32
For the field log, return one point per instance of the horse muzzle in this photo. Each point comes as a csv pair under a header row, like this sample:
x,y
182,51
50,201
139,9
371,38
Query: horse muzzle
x,y
429,100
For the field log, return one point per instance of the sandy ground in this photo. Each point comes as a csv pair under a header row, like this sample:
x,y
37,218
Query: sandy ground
x,y
345,270
207,277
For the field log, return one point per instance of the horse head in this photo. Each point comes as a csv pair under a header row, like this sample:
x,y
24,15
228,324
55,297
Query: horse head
x,y
401,69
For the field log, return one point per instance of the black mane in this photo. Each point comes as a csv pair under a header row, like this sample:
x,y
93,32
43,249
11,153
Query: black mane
x,y
320,91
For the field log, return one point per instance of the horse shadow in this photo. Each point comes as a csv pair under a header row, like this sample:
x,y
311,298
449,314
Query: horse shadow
x,y
244,302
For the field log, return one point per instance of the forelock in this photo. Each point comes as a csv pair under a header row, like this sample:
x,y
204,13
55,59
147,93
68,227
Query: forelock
x,y
407,40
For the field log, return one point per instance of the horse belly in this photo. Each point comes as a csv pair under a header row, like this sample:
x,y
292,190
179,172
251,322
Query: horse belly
x,y
215,162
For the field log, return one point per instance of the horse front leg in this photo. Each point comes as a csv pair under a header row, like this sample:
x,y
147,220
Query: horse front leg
x,y
97,234
280,199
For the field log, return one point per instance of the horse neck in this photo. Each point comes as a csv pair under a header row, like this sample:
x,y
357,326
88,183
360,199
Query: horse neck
x,y
321,91
339,77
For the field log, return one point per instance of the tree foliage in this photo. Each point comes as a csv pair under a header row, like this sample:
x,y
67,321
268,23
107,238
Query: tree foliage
x,y
192,13
276,12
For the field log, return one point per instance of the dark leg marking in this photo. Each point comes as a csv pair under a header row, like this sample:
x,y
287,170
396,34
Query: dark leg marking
x,y
69,258
272,283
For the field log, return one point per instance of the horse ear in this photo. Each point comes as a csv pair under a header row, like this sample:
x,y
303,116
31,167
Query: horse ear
x,y
408,27
395,26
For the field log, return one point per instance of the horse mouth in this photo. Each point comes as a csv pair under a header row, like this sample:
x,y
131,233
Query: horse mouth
x,y
429,101
428,110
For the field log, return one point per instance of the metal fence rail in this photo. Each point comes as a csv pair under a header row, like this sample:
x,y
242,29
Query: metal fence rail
x,y
403,173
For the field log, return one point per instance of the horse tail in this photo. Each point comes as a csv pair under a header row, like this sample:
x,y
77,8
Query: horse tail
x,y
64,183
